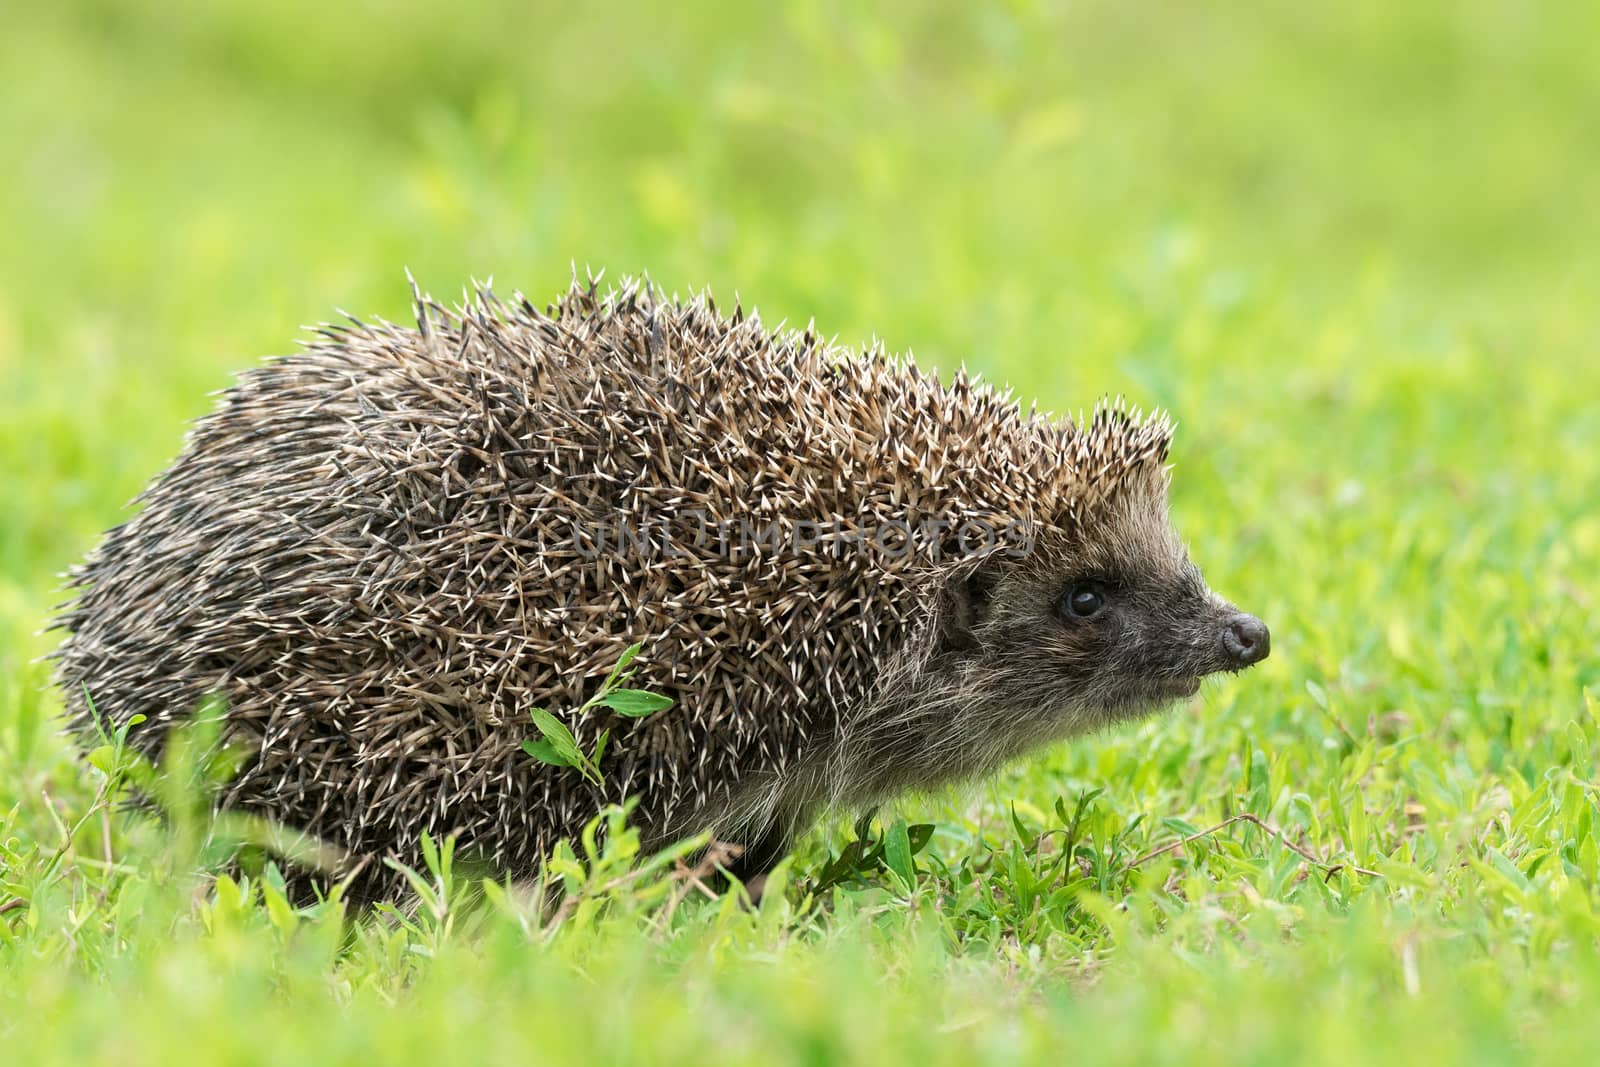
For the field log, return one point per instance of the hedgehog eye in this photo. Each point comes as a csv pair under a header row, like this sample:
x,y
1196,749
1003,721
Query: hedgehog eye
x,y
1082,600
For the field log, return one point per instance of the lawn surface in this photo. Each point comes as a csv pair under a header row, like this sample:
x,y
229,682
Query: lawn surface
x,y
1354,248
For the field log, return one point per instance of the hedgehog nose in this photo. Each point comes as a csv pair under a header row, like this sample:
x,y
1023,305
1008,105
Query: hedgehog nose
x,y
1245,640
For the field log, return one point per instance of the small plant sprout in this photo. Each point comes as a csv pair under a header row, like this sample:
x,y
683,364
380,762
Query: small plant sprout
x,y
558,746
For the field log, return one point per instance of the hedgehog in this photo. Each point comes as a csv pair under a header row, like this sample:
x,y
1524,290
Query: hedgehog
x,y
852,580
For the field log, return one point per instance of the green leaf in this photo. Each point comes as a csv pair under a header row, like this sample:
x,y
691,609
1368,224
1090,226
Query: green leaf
x,y
1016,824
545,752
864,824
841,867
622,663
897,852
279,913
635,703
560,738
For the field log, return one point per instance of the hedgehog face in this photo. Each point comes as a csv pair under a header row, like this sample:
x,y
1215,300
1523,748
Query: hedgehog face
x,y
1106,621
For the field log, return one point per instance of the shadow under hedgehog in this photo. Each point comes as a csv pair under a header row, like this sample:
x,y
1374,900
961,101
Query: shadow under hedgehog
x,y
851,579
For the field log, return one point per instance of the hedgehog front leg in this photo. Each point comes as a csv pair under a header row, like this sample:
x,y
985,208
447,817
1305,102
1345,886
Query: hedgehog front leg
x,y
759,852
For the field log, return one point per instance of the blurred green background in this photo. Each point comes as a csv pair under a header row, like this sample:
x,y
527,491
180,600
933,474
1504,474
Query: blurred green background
x,y
1353,247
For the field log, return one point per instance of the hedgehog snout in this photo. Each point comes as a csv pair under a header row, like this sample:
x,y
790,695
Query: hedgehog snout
x,y
1245,640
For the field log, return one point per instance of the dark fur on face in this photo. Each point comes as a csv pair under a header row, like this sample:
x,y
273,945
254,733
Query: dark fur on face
x,y
1094,628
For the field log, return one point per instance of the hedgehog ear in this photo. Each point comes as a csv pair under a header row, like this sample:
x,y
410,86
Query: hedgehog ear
x,y
966,604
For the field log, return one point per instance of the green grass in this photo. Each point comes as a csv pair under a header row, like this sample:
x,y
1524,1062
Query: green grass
x,y
1352,247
